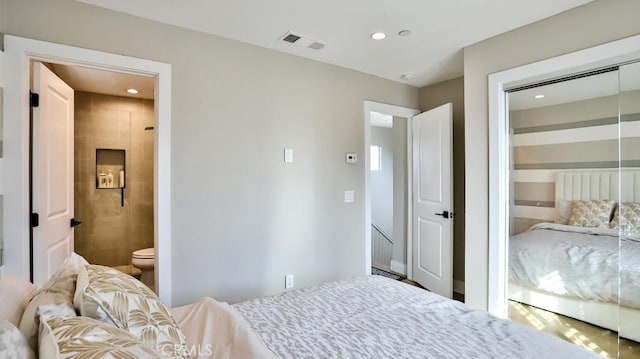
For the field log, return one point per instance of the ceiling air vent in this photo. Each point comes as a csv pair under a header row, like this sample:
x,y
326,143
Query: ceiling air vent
x,y
291,38
302,41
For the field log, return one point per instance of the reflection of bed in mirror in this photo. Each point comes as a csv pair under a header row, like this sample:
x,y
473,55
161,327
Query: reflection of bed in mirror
x,y
572,270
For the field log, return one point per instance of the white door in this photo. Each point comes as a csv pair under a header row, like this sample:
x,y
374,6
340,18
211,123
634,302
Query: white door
x,y
52,182
432,200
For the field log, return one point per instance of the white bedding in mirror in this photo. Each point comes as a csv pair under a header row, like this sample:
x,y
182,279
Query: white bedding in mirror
x,y
578,262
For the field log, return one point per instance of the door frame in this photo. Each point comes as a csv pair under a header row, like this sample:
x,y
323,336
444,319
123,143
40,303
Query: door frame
x,y
19,52
605,55
398,111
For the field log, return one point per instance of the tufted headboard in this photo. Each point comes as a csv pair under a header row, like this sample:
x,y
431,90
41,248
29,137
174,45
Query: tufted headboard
x,y
586,185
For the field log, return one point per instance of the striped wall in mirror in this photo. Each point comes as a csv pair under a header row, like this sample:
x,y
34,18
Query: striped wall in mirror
x,y
577,136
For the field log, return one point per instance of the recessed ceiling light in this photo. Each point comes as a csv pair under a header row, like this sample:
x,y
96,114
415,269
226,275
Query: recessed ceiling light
x,y
404,33
538,96
378,35
132,91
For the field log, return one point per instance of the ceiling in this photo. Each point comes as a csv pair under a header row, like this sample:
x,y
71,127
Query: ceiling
x,y
380,120
601,85
105,82
440,29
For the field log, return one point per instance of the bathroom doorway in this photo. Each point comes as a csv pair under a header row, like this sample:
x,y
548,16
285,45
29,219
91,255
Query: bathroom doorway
x,y
19,53
113,167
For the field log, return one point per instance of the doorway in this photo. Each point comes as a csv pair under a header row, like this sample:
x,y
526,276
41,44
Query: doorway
x,y
20,52
425,221
112,162
388,168
387,187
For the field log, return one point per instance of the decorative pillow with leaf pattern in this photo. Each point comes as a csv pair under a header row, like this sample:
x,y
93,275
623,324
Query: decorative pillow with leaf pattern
x,y
54,298
86,338
591,213
627,216
118,299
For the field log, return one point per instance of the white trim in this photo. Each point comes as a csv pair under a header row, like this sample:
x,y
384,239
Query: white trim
x,y
408,113
458,286
596,57
398,267
18,53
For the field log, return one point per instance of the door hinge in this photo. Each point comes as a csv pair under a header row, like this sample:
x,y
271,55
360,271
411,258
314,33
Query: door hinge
x,y
34,99
35,220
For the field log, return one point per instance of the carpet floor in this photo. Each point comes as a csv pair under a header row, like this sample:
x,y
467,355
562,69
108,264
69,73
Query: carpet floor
x,y
596,339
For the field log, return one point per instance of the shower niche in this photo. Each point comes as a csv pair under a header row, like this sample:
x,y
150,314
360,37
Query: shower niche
x,y
110,168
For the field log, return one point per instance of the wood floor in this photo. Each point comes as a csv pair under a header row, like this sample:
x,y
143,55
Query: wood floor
x,y
593,338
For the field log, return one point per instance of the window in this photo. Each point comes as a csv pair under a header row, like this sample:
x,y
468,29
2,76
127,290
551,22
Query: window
x,y
376,158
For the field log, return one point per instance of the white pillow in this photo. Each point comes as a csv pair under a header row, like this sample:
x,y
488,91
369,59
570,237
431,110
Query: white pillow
x,y
12,343
118,299
15,294
82,337
563,209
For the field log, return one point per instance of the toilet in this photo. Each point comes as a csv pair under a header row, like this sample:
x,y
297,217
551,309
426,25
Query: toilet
x,y
145,260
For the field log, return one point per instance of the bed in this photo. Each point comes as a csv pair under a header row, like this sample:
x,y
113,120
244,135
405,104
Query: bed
x,y
362,317
590,274
378,317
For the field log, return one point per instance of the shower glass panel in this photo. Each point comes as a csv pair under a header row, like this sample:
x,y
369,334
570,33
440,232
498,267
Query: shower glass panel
x,y
627,219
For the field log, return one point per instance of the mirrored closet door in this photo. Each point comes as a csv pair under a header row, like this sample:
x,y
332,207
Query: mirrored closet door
x,y
574,171
627,215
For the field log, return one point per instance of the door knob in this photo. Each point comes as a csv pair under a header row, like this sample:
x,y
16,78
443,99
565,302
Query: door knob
x,y
75,222
445,214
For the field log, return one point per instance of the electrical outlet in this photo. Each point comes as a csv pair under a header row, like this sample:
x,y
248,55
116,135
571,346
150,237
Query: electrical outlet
x,y
288,281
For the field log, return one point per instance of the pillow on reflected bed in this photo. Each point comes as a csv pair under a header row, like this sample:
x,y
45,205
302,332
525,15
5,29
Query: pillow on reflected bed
x,y
591,213
627,217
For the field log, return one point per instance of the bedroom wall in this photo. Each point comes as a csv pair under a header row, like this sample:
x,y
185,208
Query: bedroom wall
x,y
537,162
241,218
432,97
589,25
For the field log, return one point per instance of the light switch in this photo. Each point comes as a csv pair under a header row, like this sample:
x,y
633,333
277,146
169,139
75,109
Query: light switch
x,y
288,155
351,158
349,196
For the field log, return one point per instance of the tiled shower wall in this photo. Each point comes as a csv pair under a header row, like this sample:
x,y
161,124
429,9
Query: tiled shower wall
x,y
109,233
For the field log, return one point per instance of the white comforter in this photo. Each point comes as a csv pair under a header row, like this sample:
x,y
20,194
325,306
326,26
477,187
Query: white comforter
x,y
377,317
579,262
215,331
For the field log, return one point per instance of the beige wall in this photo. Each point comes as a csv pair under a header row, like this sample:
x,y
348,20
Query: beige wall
x,y
595,23
109,232
241,218
431,97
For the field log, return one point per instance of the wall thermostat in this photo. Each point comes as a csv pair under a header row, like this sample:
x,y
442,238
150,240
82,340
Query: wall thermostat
x,y
351,158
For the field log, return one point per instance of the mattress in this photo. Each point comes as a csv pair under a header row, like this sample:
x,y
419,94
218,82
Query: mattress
x,y
587,263
377,317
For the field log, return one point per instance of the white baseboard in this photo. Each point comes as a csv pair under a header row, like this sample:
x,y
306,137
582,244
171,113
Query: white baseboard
x,y
458,286
398,267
